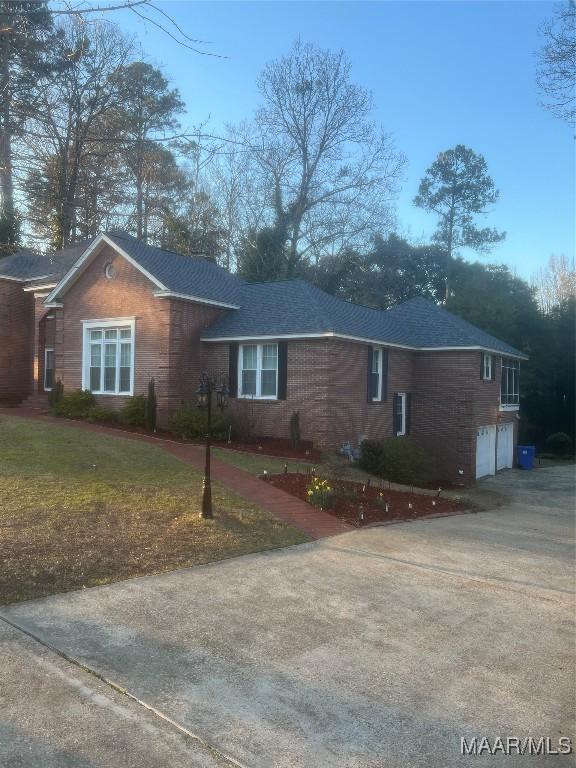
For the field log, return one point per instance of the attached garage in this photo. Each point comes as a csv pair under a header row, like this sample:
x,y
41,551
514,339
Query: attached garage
x,y
505,446
485,451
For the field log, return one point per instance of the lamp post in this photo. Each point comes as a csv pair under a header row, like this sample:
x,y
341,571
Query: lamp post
x,y
208,386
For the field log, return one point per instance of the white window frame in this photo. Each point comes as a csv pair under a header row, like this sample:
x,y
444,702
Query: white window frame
x,y
504,372
402,396
46,350
259,354
93,325
487,366
377,399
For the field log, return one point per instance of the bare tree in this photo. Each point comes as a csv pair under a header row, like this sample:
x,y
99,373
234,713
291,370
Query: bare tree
x,y
555,283
74,118
327,169
557,63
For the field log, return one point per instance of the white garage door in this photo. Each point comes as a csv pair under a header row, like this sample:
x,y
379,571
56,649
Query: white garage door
x,y
505,446
485,451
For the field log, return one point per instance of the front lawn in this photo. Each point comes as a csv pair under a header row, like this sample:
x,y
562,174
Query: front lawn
x,y
79,509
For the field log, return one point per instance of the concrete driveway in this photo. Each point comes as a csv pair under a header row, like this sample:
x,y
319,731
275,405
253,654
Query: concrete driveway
x,y
376,648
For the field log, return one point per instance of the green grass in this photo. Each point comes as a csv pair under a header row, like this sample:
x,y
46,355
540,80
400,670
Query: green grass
x,y
79,509
332,465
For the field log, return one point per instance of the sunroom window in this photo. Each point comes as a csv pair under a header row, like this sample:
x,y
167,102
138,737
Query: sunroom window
x,y
259,370
510,382
108,360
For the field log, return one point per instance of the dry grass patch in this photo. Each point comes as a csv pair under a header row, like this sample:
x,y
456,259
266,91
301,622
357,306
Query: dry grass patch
x,y
79,509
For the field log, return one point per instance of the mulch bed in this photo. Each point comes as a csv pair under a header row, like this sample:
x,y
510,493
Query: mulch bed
x,y
263,446
350,496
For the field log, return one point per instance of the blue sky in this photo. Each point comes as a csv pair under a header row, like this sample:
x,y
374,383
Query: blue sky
x,y
441,73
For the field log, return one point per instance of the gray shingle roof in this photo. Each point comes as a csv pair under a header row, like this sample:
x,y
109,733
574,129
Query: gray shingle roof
x,y
193,276
28,266
295,307
285,308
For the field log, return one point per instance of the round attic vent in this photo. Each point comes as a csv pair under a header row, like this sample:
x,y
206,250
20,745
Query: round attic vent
x,y
109,271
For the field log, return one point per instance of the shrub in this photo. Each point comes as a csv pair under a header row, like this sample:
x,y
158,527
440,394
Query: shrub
x,y
56,394
372,457
191,423
76,405
560,444
397,460
151,407
295,435
320,493
242,421
134,411
405,462
99,415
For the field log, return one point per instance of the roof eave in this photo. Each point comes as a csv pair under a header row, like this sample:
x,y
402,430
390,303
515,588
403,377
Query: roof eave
x,y
363,340
167,294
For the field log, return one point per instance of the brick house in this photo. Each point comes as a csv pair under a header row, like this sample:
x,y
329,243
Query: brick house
x,y
109,314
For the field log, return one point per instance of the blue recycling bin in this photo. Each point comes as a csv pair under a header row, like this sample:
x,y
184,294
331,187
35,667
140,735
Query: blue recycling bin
x,y
526,455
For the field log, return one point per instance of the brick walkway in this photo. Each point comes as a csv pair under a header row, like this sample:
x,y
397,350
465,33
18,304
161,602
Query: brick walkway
x,y
311,521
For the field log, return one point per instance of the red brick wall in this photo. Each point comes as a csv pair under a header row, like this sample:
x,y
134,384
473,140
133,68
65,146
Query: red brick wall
x,y
167,332
16,341
308,391
450,401
327,384
128,294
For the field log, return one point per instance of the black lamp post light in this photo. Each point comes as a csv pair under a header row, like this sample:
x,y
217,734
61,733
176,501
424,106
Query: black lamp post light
x,y
210,386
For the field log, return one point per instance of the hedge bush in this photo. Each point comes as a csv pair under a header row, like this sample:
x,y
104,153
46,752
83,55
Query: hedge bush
x,y
76,405
560,444
397,460
133,412
99,415
191,423
372,457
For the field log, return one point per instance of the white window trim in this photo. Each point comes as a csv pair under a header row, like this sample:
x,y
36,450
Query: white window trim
x,y
259,348
402,432
45,388
89,325
378,399
487,358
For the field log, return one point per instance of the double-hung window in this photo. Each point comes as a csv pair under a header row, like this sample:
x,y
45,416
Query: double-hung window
x,y
400,408
258,365
487,366
108,357
376,375
510,383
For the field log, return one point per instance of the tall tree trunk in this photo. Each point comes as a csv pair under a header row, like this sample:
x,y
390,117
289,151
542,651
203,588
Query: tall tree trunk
x,y
449,254
140,192
6,185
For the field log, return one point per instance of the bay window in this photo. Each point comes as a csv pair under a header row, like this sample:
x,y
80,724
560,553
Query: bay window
x,y
108,357
510,383
258,367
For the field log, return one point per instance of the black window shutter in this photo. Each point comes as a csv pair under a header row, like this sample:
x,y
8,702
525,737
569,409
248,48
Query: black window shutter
x,y
384,374
395,416
369,377
282,370
408,412
233,369
481,365
493,377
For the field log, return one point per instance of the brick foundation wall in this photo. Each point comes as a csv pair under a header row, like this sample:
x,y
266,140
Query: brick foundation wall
x,y
16,342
